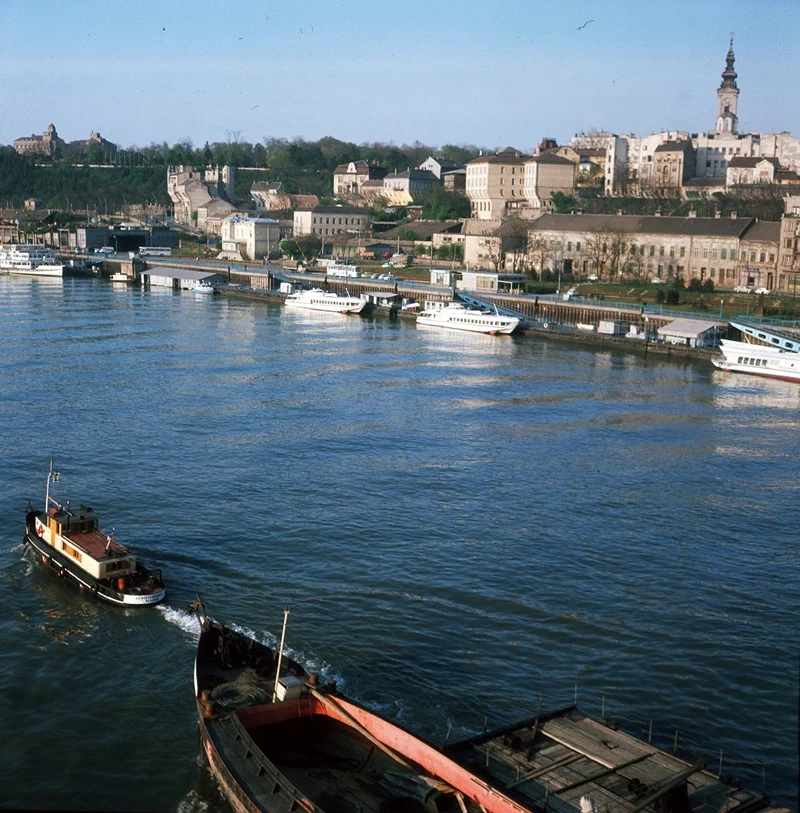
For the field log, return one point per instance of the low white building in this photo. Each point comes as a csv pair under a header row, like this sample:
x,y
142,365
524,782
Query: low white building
x,y
691,333
249,238
178,278
489,281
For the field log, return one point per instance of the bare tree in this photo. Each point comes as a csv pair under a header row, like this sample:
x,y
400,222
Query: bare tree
x,y
605,247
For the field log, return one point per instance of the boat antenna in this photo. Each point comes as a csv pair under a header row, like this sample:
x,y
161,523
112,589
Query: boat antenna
x,y
280,654
51,475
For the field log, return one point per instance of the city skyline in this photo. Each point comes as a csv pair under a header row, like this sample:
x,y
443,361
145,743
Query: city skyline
x,y
503,73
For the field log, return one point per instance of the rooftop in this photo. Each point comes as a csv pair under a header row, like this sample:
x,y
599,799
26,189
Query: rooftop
x,y
747,161
507,156
688,328
424,229
636,224
675,146
339,210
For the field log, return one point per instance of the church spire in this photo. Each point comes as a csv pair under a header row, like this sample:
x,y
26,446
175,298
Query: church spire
x,y
729,74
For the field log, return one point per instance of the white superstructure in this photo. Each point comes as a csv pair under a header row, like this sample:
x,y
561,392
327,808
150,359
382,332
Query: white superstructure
x,y
31,260
343,270
456,316
758,359
319,300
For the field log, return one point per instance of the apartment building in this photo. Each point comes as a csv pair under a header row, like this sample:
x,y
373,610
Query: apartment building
x,y
325,221
647,247
495,184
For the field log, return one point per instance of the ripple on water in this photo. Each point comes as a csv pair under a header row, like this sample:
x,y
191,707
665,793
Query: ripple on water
x,y
459,525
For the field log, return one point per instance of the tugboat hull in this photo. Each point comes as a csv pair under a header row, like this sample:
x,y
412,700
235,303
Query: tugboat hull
x,y
66,569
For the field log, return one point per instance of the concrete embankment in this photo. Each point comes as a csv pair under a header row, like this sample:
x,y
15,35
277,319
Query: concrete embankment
x,y
553,332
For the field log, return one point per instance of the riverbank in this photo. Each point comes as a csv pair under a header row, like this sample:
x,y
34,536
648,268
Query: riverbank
x,y
553,332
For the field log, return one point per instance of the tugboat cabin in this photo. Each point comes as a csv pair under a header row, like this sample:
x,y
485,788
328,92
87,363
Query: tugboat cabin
x,y
77,534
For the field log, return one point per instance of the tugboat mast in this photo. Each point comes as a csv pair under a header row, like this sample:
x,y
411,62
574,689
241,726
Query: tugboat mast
x,y
50,476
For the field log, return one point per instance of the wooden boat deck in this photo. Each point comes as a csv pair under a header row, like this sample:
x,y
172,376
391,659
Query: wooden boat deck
x,y
560,758
94,543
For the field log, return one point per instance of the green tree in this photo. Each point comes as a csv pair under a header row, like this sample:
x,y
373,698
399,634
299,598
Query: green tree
x,y
441,205
564,203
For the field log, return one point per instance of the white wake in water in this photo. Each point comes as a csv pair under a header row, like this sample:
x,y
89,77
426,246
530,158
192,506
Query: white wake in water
x,y
186,621
189,623
192,803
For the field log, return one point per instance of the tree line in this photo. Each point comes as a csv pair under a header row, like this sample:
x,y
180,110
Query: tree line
x,y
303,166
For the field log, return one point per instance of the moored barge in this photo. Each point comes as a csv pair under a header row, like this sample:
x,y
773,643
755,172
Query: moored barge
x,y
70,542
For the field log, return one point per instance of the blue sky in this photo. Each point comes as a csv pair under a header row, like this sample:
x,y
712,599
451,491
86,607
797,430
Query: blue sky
x,y
490,73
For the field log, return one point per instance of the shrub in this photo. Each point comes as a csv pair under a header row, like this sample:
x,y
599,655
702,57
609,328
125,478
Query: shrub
x,y
708,286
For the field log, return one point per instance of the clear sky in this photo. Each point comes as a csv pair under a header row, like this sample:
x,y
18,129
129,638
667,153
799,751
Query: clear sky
x,y
490,72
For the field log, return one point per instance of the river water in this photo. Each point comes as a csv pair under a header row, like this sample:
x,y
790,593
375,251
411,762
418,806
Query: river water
x,y
464,528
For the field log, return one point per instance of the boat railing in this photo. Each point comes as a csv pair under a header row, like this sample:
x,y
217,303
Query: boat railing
x,y
264,770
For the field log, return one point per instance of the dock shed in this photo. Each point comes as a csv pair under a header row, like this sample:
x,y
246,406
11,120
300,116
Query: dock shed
x,y
178,278
691,333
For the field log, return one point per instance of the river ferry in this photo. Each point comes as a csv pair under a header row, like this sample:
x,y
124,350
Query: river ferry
x,y
29,260
70,542
276,741
758,359
456,316
318,300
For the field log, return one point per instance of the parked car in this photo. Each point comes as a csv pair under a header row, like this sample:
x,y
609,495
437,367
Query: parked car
x,y
570,293
593,278
762,290
742,289
657,281
390,264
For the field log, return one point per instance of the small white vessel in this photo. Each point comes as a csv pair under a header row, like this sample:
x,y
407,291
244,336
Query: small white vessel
x,y
30,260
758,359
203,287
120,277
456,316
318,300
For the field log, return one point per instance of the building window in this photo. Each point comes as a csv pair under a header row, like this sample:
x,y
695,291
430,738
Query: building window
x,y
652,251
763,257
733,253
672,251
569,245
772,258
578,246
724,254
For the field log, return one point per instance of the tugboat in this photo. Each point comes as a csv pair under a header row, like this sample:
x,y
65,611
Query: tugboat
x,y
71,543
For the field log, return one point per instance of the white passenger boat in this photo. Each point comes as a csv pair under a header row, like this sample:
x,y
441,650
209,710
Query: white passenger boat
x,y
758,359
318,300
30,260
203,287
121,277
455,316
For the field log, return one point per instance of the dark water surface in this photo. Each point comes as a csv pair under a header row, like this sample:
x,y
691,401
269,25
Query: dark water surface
x,y
460,524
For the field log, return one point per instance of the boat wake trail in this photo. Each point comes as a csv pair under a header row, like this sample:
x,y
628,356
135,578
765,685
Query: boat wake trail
x,y
186,621
309,663
192,803
24,564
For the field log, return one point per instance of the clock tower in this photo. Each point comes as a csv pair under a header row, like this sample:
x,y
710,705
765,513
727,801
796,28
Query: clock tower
x,y
728,97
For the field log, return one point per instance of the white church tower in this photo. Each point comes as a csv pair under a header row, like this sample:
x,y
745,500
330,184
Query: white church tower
x,y
728,98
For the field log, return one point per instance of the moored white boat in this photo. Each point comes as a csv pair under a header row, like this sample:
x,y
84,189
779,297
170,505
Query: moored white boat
x,y
120,277
203,287
30,260
319,300
456,316
758,359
